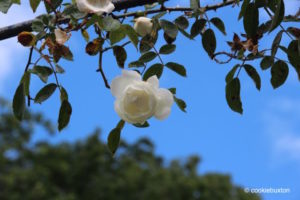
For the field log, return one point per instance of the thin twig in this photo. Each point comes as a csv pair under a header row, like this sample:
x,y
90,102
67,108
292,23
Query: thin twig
x,y
53,69
157,53
26,69
29,59
285,31
111,47
100,69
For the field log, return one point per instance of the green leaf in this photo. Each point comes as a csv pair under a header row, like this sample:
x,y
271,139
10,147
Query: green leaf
x,y
233,98
261,3
114,140
197,27
186,34
147,43
180,103
42,72
63,94
182,22
147,57
251,71
67,53
19,102
294,56
121,124
37,25
251,20
93,19
45,93
59,69
16,1
108,23
145,125
136,64
54,4
155,69
116,36
243,8
65,113
169,28
167,49
34,4
231,73
26,82
85,35
219,24
266,62
179,69
172,90
209,42
278,15
159,15
5,5
132,35
279,73
121,55
276,43
194,4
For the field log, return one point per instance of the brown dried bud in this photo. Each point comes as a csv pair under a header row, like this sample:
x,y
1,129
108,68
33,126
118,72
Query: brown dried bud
x,y
27,39
92,48
236,45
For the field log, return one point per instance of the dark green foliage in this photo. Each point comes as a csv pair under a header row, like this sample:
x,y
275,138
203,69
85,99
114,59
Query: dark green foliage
x,y
209,42
19,102
86,170
65,113
233,90
279,72
251,20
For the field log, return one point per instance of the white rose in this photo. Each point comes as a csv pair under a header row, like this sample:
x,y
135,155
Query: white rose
x,y
60,36
143,26
95,6
137,100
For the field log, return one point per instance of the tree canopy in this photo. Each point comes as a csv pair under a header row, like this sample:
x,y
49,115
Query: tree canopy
x,y
86,169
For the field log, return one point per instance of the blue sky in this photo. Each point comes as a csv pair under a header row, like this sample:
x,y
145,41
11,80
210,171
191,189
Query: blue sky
x,y
261,148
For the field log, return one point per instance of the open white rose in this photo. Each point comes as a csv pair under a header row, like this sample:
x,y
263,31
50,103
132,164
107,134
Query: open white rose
x,y
143,26
95,6
60,36
137,100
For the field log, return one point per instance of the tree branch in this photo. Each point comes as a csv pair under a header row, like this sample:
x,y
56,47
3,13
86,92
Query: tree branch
x,y
14,30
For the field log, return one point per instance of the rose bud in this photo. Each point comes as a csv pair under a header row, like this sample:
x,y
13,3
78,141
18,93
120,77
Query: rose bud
x,y
143,26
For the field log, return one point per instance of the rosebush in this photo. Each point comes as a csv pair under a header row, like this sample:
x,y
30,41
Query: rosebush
x,y
137,100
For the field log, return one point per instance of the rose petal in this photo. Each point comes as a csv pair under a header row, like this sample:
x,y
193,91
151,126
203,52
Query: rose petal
x,y
153,80
164,103
120,83
60,36
97,6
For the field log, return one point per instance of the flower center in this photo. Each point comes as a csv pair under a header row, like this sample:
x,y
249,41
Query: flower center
x,y
137,101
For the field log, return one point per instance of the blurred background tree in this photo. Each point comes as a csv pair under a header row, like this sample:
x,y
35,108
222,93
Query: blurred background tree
x,y
86,170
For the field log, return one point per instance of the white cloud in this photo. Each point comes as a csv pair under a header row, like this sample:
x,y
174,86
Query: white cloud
x,y
281,123
10,51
